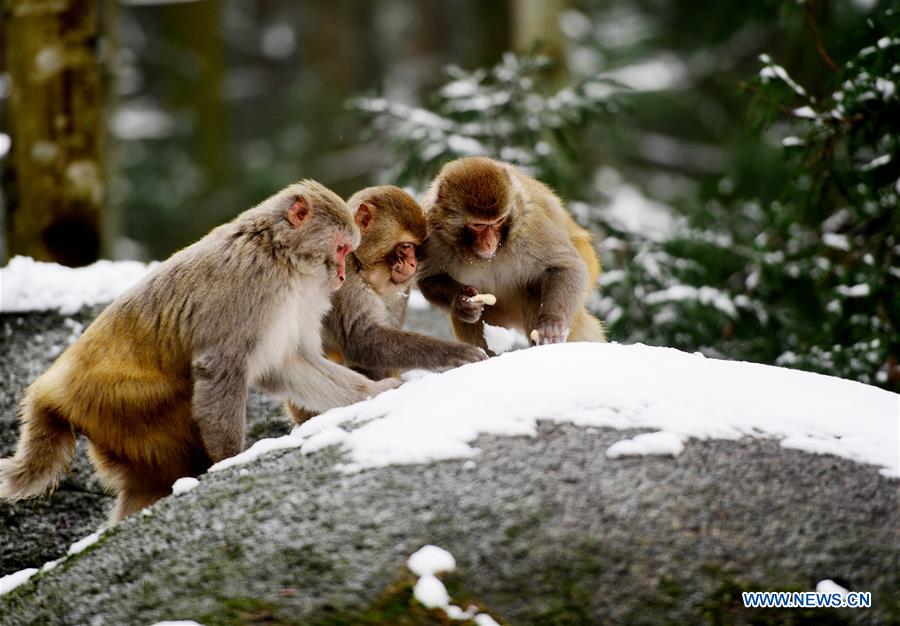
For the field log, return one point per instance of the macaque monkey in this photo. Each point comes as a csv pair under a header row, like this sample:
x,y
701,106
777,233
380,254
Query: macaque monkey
x,y
363,328
493,229
158,382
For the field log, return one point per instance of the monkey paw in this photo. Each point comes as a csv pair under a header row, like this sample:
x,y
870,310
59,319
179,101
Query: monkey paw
x,y
549,331
464,308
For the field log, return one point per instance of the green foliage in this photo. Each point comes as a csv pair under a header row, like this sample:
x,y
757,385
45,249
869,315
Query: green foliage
x,y
506,112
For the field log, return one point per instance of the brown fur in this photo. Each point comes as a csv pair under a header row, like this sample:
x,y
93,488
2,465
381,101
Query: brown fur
x,y
544,268
158,382
364,327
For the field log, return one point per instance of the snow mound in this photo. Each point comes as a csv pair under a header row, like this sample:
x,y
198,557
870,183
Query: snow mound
x,y
686,395
29,285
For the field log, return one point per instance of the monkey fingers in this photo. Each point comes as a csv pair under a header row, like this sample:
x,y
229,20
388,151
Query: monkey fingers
x,y
465,308
549,332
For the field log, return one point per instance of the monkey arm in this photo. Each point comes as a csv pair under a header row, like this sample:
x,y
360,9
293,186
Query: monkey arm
x,y
562,292
219,405
374,347
316,383
440,289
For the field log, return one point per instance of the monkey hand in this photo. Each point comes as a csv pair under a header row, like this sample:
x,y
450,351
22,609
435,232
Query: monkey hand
x,y
464,308
385,384
461,353
549,330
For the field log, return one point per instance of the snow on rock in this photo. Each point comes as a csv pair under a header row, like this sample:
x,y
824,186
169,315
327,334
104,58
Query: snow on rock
x,y
660,443
431,592
617,386
829,586
29,285
11,581
82,544
500,340
183,485
431,560
181,622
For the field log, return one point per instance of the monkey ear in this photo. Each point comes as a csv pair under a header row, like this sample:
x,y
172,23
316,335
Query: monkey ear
x,y
363,217
298,212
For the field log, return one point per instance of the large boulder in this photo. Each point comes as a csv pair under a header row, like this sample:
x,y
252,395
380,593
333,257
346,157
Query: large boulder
x,y
545,529
578,519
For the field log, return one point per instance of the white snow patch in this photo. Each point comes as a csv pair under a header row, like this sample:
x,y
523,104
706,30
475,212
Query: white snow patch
x,y
829,586
483,619
180,622
789,142
661,443
183,485
431,560
705,295
11,581
5,144
256,450
431,592
500,340
856,291
428,419
839,242
29,285
328,437
805,112
631,211
82,544
665,71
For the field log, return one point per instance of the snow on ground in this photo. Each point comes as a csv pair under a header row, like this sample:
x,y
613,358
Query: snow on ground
x,y
11,581
660,443
29,285
183,485
426,563
438,416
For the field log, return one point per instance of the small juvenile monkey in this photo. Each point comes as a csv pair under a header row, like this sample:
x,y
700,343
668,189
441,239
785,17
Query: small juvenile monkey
x,y
158,382
363,328
493,229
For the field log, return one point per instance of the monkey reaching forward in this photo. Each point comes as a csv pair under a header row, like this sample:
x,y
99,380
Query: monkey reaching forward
x,y
158,382
493,229
363,328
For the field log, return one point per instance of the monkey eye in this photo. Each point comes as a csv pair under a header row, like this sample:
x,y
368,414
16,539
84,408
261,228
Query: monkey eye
x,y
479,228
343,249
407,245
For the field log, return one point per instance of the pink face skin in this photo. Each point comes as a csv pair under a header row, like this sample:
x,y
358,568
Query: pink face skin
x,y
486,236
404,266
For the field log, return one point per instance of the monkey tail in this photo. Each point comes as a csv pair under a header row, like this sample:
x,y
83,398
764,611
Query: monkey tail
x,y
46,447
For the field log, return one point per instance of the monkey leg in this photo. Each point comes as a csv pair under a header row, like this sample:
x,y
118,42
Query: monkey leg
x,y
586,327
139,484
298,414
472,334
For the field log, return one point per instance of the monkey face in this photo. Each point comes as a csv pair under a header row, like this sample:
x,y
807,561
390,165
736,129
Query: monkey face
x,y
403,262
485,237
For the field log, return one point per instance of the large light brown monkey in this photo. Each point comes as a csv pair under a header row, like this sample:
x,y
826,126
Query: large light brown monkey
x,y
158,382
493,229
363,329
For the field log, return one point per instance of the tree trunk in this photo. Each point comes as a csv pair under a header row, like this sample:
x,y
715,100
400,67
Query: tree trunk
x,y
56,200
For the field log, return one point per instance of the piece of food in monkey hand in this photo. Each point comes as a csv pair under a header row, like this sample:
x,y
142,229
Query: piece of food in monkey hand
x,y
535,336
485,298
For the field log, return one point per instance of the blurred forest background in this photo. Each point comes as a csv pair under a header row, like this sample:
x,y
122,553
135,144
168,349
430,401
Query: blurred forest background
x,y
738,161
